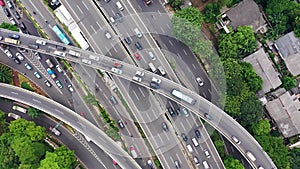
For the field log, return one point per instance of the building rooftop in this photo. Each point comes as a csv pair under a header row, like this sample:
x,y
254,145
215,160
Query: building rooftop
x,y
288,47
264,68
285,112
246,13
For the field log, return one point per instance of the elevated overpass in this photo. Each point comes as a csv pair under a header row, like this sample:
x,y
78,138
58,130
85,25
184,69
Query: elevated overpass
x,y
219,119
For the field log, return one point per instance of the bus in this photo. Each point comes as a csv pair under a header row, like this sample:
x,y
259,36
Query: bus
x,y
183,97
63,38
13,41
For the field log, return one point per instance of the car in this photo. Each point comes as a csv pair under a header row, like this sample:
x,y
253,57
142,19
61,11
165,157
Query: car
x,y
113,21
33,46
55,131
37,75
171,111
113,100
152,56
13,36
22,25
41,42
6,11
62,48
147,2
196,160
199,81
185,112
58,68
37,55
106,1
9,4
115,70
150,164
27,65
19,56
58,83
114,162
235,140
197,133
164,126
13,21
158,81
13,115
2,3
177,164
70,88
8,53
207,154
118,65
121,124
135,78
82,114
17,61
206,115
137,56
154,85
184,137
107,34
138,46
260,167
119,17
139,73
48,84
127,40
17,14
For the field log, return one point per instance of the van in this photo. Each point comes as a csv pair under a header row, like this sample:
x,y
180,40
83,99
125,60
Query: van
x,y
251,156
119,5
195,142
189,147
205,165
113,100
138,33
152,67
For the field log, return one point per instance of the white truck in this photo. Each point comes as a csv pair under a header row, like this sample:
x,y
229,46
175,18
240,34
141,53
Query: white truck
x,y
73,53
13,41
133,152
49,63
20,109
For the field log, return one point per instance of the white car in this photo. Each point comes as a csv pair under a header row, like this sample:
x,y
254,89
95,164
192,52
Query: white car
x,y
135,78
37,75
15,116
19,56
115,70
199,81
41,42
235,140
48,84
70,88
158,81
207,153
27,65
141,74
59,68
8,53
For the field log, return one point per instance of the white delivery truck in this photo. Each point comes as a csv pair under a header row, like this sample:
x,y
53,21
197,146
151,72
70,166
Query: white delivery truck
x,y
133,152
20,109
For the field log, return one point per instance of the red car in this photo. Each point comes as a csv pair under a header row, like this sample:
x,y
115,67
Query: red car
x,y
82,114
2,3
137,56
117,65
114,162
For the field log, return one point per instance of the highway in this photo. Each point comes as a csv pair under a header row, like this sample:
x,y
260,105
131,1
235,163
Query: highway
x,y
71,118
220,120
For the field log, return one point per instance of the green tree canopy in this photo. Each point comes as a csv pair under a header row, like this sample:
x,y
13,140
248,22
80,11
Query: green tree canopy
x,y
8,158
288,82
260,128
251,109
295,154
251,78
237,44
23,148
61,158
232,163
33,112
175,3
211,11
5,74
9,26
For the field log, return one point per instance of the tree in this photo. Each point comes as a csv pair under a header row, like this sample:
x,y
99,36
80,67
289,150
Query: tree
x,y
23,148
5,74
8,26
276,149
297,27
90,99
3,126
8,158
61,158
251,109
211,11
232,163
175,3
261,128
251,78
295,154
33,112
26,85
288,82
